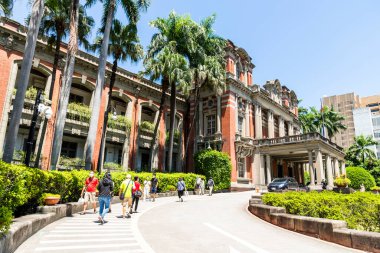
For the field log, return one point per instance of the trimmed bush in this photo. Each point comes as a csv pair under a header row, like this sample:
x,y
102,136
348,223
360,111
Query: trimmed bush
x,y
359,176
22,189
215,164
361,210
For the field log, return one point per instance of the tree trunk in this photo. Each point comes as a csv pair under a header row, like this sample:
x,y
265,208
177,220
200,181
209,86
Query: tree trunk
x,y
153,143
18,104
107,111
192,123
172,121
91,137
72,49
53,77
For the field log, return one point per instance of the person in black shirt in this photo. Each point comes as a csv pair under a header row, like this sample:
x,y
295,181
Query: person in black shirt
x,y
105,188
154,185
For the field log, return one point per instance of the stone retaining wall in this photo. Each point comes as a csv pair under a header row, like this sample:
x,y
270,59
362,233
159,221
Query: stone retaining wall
x,y
335,231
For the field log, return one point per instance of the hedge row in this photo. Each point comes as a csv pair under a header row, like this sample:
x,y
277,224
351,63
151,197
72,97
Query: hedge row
x,y
22,188
361,210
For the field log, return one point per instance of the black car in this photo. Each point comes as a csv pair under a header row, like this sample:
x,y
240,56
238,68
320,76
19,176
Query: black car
x,y
281,184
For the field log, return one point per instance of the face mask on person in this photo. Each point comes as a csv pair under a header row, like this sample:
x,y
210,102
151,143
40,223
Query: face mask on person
x,y
92,174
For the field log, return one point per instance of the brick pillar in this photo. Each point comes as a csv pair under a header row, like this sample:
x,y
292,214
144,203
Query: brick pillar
x,y
134,131
228,133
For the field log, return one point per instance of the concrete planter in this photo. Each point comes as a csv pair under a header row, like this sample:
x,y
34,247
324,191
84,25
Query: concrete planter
x,y
344,190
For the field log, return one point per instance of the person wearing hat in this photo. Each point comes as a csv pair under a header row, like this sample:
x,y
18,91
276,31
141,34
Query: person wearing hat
x,y
89,190
210,184
105,189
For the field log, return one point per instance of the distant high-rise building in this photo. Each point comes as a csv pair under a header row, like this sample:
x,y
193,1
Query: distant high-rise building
x,y
362,116
344,104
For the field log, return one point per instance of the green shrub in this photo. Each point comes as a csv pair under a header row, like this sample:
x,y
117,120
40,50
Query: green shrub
x,y
147,126
120,122
113,166
215,164
361,210
22,189
79,112
360,176
342,181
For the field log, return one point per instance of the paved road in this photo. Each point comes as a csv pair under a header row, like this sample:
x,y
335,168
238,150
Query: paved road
x,y
219,224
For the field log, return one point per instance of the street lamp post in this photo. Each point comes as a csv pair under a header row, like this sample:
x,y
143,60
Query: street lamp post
x,y
38,108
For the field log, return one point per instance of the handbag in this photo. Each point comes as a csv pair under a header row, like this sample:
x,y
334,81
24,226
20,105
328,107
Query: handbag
x,y
186,193
138,194
122,195
81,200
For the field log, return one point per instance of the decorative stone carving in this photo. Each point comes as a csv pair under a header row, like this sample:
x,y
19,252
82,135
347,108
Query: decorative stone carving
x,y
8,43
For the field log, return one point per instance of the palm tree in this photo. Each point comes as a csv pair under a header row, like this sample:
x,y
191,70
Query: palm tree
x,y
132,8
6,7
26,65
55,25
360,150
333,121
124,44
72,50
308,120
164,59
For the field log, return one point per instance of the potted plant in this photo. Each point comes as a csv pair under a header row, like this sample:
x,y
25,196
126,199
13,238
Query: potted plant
x,y
342,184
375,189
51,199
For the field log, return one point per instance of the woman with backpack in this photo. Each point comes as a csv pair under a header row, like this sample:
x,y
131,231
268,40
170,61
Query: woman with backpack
x,y
181,188
105,188
136,194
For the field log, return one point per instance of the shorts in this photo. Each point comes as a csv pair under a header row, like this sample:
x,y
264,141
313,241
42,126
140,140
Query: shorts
x,y
154,190
127,200
89,196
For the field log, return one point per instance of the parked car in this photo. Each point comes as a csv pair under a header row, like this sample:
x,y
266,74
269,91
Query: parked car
x,y
283,183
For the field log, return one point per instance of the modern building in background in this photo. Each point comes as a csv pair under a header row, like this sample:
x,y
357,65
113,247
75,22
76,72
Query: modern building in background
x,y
362,117
257,126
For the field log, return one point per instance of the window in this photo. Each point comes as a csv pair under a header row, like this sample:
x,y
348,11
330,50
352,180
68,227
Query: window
x,y
211,124
376,122
376,134
240,125
73,98
241,167
69,149
373,105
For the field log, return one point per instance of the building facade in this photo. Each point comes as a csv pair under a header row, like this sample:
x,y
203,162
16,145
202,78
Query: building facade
x,y
256,126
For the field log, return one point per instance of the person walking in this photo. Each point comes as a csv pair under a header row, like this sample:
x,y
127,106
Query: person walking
x,y
202,186
89,190
146,189
136,194
197,186
125,194
181,188
210,185
105,189
154,185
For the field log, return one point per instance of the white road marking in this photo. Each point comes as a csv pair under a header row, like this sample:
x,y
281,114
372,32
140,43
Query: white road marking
x,y
241,241
86,240
86,235
92,230
103,246
232,250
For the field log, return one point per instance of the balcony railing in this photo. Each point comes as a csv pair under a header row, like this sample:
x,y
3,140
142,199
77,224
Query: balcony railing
x,y
296,139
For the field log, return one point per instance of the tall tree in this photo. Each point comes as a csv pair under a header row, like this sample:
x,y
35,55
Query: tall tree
x,y
6,7
26,65
132,9
72,49
358,152
175,38
55,25
124,44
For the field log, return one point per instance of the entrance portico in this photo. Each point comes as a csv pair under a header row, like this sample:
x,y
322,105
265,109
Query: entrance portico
x,y
292,155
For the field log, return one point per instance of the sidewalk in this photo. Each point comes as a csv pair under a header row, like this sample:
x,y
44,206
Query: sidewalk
x,y
83,233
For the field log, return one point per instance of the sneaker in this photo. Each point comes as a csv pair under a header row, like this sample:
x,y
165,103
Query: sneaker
x,y
128,216
101,220
130,211
94,210
82,213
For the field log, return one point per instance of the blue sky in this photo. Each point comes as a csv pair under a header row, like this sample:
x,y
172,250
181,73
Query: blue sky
x,y
316,48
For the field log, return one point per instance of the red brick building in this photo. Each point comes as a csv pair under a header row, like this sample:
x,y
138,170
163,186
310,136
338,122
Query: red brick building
x,y
247,121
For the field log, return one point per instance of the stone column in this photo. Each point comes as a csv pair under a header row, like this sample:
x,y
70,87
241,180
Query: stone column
x,y
125,154
237,112
344,168
319,166
129,110
262,170
270,124
336,167
246,132
201,118
269,171
311,168
330,178
290,128
258,123
281,126
156,116
256,168
218,114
